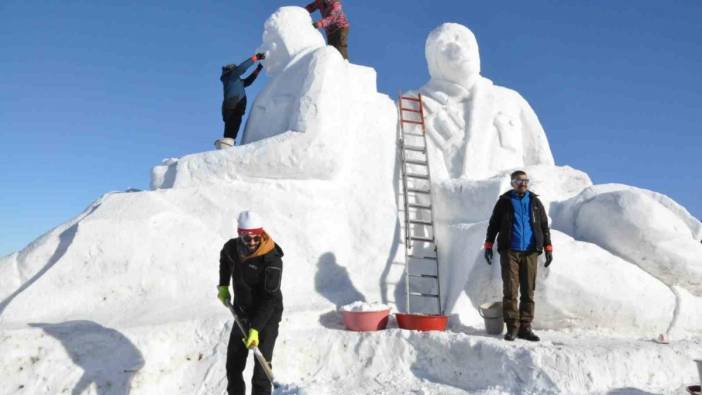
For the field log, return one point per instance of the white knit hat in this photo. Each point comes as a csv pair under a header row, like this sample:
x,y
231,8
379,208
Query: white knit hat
x,y
250,222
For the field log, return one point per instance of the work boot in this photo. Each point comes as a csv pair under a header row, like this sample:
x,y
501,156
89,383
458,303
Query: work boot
x,y
511,334
527,334
225,142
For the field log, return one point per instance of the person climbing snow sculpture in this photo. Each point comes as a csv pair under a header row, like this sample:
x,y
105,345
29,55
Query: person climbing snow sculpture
x,y
478,128
521,222
253,263
333,22
234,103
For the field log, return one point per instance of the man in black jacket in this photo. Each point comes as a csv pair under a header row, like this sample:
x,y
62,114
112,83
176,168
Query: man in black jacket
x,y
521,222
253,262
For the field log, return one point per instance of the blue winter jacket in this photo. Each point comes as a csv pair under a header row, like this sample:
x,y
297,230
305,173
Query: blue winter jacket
x,y
233,83
522,232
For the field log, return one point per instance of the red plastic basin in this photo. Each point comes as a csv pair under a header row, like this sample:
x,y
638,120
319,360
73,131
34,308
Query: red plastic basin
x,y
364,321
422,322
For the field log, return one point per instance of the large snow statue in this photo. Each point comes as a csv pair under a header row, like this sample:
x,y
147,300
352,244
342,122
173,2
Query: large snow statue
x,y
478,128
302,123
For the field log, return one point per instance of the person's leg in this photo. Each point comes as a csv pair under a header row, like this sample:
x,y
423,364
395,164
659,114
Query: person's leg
x,y
335,40
344,42
236,362
232,118
509,266
259,383
527,282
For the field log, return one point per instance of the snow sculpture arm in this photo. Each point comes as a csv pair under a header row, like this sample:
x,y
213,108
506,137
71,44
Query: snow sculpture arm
x,y
536,148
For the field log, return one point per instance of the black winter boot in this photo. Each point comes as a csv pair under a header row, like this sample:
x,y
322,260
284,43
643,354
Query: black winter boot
x,y
511,334
528,334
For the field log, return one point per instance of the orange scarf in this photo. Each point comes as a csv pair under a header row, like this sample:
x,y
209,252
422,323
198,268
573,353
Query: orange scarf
x,y
267,245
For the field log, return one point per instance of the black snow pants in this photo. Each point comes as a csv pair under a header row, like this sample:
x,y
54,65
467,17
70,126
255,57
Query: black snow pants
x,y
232,114
236,361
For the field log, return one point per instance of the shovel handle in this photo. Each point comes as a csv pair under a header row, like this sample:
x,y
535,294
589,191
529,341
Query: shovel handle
x,y
257,353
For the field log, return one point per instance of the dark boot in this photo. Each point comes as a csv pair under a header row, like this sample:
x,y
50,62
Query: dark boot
x,y
511,334
527,334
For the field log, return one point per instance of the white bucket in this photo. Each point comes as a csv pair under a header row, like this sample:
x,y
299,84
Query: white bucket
x,y
492,314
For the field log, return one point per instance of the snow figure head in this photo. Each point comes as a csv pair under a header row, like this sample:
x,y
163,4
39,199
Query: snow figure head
x,y
287,33
452,54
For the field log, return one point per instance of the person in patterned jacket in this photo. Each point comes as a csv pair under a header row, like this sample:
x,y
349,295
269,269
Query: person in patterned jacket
x,y
333,22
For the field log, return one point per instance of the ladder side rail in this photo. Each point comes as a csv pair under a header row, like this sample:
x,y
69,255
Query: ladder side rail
x,y
436,246
405,200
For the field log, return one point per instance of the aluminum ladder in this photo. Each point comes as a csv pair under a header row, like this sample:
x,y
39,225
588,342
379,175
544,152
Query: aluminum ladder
x,y
421,254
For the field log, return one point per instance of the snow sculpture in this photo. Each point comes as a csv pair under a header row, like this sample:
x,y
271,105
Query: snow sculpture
x,y
644,227
300,113
478,128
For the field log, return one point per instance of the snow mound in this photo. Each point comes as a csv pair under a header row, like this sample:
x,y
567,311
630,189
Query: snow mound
x,y
360,306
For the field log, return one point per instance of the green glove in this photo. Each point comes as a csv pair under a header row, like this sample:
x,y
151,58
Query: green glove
x,y
251,340
223,294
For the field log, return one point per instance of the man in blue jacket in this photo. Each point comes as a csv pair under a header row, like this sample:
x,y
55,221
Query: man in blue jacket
x,y
520,219
234,104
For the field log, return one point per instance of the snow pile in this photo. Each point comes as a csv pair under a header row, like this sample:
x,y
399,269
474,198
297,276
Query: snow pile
x,y
123,296
360,306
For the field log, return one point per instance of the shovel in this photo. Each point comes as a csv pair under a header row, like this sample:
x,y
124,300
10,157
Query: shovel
x,y
257,353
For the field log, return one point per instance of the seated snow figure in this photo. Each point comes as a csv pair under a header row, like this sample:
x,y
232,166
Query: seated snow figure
x,y
478,128
306,113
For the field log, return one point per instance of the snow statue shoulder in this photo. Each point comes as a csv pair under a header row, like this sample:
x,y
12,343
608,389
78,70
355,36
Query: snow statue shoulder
x,y
478,128
304,123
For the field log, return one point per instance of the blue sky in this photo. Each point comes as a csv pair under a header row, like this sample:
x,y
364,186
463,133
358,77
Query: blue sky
x,y
94,93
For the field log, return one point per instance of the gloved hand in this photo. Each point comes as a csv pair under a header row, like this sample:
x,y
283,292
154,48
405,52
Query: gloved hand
x,y
315,25
260,56
251,340
223,294
488,252
549,258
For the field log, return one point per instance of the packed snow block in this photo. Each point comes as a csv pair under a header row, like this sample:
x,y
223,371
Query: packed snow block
x,y
586,287
462,200
641,226
475,127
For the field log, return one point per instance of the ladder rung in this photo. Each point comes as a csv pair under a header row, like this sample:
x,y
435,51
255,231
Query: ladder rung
x,y
420,238
433,258
410,110
423,294
416,162
418,176
423,275
415,190
420,222
409,98
419,206
413,148
414,122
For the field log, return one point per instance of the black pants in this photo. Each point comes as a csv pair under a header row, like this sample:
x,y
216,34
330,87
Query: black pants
x,y
236,361
232,114
339,40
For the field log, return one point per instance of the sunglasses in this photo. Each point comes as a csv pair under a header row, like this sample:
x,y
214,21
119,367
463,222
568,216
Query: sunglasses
x,y
249,238
521,181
